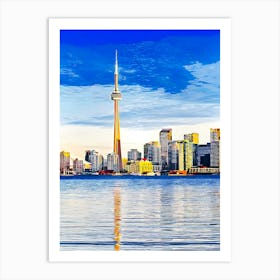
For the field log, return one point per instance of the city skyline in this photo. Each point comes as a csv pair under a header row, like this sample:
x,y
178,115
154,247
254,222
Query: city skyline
x,y
214,135
161,87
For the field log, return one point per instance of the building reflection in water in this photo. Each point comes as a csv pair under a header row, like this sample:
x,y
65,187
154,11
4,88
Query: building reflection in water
x,y
117,218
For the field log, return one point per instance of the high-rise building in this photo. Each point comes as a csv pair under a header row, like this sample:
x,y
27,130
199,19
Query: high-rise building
x,y
203,155
113,162
181,155
116,97
215,154
96,160
165,136
133,154
192,137
152,152
214,134
64,162
215,147
78,166
189,153
173,152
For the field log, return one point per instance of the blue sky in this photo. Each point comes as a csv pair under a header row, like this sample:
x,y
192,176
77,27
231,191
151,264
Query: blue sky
x,y
168,78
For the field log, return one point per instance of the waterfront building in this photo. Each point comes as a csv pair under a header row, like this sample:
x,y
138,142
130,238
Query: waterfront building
x,y
133,154
113,162
165,136
194,147
78,166
181,155
173,152
189,154
116,97
192,137
124,162
215,154
64,162
214,134
142,166
203,155
87,167
97,160
152,152
215,147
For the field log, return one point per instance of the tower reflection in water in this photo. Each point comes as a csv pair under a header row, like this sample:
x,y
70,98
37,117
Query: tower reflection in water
x,y
117,218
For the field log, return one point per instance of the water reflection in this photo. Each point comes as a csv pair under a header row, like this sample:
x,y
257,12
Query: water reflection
x,y
117,218
140,214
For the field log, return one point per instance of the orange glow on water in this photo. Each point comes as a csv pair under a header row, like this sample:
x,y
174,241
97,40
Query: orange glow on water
x,y
117,218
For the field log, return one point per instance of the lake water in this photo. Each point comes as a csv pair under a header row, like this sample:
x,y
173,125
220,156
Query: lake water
x,y
140,213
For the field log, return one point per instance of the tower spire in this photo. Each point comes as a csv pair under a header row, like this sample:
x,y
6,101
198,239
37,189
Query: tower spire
x,y
116,72
116,63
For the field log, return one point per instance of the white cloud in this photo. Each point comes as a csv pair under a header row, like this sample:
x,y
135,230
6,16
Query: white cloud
x,y
140,107
68,72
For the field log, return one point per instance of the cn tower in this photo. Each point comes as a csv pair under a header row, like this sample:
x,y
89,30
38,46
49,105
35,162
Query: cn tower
x,y
116,96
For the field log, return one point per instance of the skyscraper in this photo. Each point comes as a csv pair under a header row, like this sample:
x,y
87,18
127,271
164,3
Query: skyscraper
x,y
173,152
97,160
165,136
215,147
214,134
152,152
133,154
64,162
116,96
113,162
203,154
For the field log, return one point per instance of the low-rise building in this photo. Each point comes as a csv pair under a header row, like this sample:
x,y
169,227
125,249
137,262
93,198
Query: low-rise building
x,y
142,166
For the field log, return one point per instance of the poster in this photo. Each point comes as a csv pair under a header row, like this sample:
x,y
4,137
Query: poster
x,y
139,139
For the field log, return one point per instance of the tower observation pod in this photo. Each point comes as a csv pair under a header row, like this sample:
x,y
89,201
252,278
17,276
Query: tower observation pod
x,y
116,96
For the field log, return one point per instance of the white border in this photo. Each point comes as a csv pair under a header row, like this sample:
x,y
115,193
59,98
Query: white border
x,y
55,25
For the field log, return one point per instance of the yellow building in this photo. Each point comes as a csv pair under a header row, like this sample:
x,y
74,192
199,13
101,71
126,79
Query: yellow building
x,y
188,155
141,167
185,154
181,155
195,138
124,162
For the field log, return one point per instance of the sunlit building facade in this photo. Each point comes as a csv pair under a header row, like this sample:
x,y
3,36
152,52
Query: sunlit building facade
x,y
214,134
97,160
152,152
113,162
192,137
141,167
215,147
64,162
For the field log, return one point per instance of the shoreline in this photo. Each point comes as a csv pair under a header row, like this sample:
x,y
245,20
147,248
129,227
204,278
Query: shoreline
x,y
81,177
